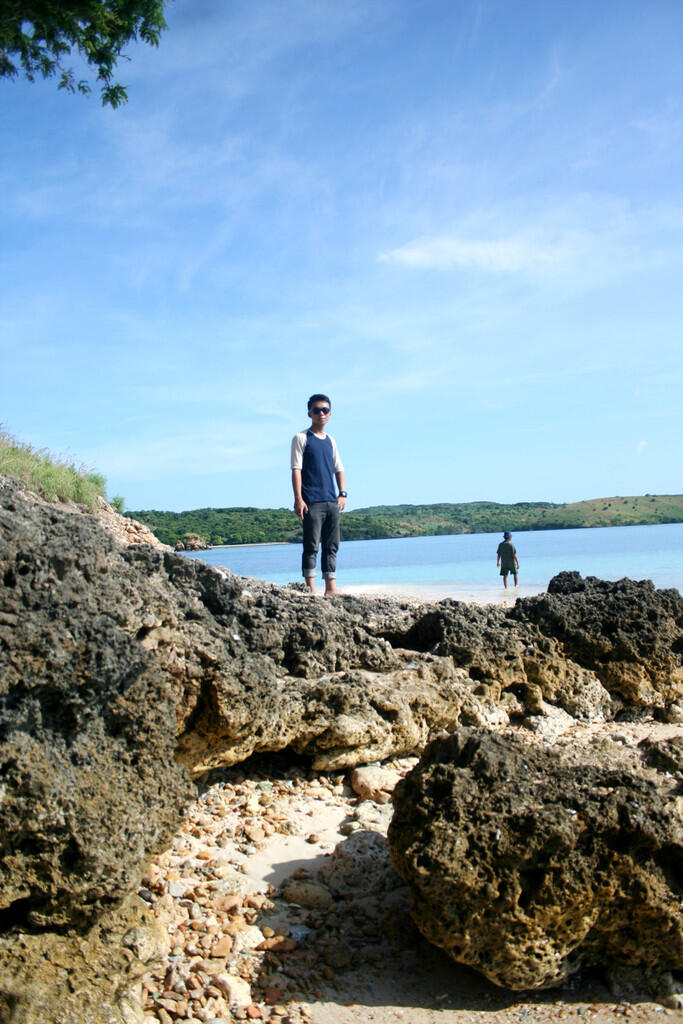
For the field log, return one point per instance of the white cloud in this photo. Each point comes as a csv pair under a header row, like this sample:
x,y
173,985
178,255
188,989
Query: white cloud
x,y
503,255
640,447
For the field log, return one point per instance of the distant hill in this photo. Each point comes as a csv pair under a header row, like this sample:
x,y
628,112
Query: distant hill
x,y
261,525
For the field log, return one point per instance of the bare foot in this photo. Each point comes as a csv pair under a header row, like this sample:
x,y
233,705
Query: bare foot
x,y
310,583
331,589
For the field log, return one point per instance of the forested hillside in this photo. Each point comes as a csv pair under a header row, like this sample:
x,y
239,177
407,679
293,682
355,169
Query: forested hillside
x,y
259,525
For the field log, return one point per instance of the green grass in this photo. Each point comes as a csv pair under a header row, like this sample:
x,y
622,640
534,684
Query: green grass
x,y
52,478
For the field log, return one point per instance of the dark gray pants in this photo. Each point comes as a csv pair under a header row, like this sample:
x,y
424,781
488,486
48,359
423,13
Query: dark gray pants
x,y
321,523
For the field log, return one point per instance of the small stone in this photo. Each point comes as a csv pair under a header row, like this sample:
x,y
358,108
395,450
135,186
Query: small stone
x,y
228,903
253,1012
254,832
248,938
278,944
313,838
236,990
312,895
166,1004
371,782
273,994
223,946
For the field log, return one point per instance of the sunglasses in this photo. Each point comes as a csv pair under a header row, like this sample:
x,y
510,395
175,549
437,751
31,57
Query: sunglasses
x,y
318,410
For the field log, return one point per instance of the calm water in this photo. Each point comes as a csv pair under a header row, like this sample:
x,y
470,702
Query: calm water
x,y
468,561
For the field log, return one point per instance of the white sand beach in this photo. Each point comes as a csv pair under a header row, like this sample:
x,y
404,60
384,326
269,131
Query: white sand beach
x,y
440,591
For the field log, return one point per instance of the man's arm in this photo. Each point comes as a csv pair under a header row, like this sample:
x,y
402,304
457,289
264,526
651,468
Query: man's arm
x,y
341,485
300,506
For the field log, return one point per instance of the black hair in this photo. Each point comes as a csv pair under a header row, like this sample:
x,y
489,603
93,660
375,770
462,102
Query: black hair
x,y
318,398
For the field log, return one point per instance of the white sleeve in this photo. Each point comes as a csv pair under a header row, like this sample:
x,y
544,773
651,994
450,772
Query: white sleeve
x,y
338,466
297,455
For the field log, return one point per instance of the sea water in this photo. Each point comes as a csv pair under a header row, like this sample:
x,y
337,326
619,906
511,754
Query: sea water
x,y
467,562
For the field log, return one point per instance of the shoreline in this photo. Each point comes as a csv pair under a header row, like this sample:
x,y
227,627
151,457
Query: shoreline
x,y
250,544
432,592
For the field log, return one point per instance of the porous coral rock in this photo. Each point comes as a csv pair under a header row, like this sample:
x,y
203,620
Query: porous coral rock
x,y
529,861
118,660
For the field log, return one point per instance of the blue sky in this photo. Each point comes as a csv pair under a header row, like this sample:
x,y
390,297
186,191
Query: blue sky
x,y
462,220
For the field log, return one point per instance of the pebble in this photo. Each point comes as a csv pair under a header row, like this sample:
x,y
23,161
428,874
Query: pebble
x,y
222,947
312,895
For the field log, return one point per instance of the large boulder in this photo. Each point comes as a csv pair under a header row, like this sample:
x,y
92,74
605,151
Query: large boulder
x,y
528,862
90,785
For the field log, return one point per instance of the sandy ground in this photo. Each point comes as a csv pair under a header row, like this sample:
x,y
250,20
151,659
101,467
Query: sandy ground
x,y
268,824
439,591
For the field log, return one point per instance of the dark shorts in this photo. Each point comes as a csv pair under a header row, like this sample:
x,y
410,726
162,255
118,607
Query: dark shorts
x,y
504,570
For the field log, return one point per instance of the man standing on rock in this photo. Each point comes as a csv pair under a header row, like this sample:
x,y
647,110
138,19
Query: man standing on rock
x,y
507,559
316,466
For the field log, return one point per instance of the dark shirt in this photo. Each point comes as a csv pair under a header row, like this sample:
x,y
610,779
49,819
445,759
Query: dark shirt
x,y
317,472
506,553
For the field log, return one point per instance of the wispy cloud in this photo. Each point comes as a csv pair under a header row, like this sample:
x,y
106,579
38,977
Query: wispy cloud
x,y
503,255
641,447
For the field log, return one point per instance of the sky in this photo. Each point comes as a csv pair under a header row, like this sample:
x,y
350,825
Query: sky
x,y
461,220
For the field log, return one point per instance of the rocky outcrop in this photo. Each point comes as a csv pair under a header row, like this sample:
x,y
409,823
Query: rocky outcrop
x,y
191,542
628,634
87,732
531,861
121,663
81,976
123,529
585,645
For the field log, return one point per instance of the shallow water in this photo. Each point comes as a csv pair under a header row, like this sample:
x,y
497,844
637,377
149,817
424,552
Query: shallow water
x,y
467,562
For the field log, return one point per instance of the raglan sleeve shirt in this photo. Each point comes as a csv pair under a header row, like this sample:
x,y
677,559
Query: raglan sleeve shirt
x,y
299,446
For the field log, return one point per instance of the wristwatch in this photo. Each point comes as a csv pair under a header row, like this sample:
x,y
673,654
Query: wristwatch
x,y
343,494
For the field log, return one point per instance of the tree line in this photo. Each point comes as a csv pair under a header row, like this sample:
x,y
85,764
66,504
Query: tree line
x,y
250,525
